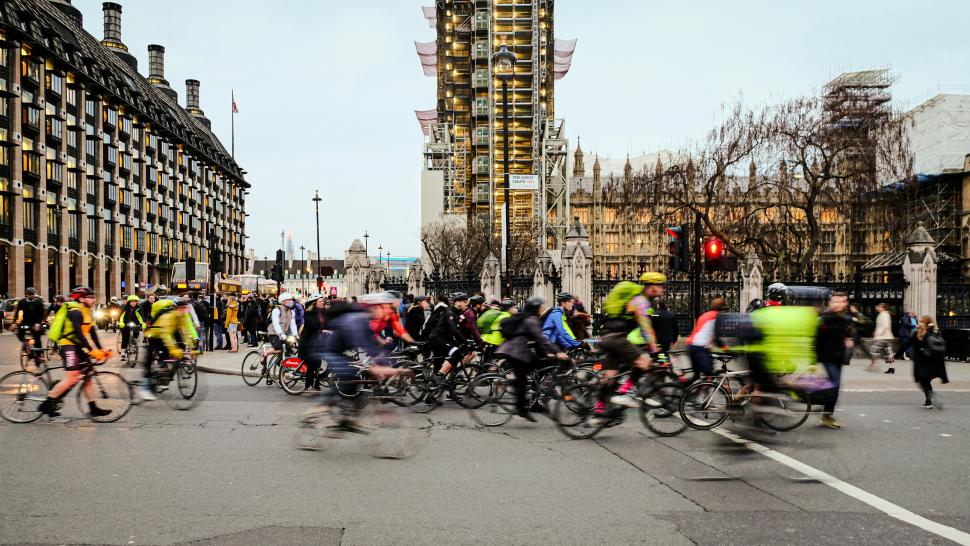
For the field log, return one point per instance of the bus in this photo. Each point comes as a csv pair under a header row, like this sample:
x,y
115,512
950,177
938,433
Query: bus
x,y
200,282
257,284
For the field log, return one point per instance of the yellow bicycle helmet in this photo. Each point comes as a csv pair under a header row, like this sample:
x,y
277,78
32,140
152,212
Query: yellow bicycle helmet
x,y
653,277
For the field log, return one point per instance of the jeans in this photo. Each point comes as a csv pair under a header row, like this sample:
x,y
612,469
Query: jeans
x,y
219,335
834,369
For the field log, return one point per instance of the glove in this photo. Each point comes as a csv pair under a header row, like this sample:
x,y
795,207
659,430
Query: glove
x,y
98,354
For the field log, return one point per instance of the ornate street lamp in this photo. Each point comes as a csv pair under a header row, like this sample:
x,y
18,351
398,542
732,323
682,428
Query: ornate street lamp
x,y
504,62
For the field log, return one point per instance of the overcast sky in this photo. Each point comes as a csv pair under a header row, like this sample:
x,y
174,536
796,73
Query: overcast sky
x,y
327,90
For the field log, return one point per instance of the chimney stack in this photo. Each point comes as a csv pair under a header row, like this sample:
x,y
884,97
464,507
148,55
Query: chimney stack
x,y
72,12
112,34
192,102
156,71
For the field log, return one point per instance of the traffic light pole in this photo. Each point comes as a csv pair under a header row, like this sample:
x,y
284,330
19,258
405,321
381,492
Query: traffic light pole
x,y
696,271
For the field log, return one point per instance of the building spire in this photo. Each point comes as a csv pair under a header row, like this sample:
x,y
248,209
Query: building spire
x,y
579,168
628,168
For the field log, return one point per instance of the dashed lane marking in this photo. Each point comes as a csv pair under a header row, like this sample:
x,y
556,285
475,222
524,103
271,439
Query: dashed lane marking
x,y
884,506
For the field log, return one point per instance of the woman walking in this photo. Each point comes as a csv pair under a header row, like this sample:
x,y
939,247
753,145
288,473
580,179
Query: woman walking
x,y
882,341
928,359
232,323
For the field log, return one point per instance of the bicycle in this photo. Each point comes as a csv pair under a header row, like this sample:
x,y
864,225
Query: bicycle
x,y
29,352
658,398
182,371
22,392
384,420
426,390
708,403
262,363
130,351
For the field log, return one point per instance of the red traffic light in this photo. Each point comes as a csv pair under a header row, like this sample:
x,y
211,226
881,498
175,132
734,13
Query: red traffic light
x,y
714,248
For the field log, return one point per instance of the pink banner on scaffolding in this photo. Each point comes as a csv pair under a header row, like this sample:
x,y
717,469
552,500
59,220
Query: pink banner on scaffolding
x,y
430,15
428,55
426,118
563,57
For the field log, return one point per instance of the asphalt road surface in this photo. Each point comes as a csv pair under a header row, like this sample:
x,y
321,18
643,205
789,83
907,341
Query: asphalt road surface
x,y
225,473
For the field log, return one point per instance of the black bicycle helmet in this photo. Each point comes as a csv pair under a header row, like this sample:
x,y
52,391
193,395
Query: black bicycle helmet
x,y
755,305
776,291
506,304
532,306
564,296
460,296
476,300
81,292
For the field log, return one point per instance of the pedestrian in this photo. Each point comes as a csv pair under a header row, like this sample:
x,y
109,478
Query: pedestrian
x,y
218,330
201,309
907,325
232,323
832,341
227,345
415,317
882,341
929,351
406,304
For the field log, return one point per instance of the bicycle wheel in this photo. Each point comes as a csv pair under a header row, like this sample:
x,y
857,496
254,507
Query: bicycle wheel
x,y
494,400
110,392
785,411
423,393
293,380
574,412
131,353
253,369
185,389
659,410
704,405
394,431
20,395
461,381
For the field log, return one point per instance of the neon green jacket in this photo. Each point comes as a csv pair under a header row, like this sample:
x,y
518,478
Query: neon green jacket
x,y
494,334
788,344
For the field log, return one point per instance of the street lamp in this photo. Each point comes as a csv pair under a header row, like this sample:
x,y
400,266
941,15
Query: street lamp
x,y
366,252
504,62
302,248
316,202
380,253
388,261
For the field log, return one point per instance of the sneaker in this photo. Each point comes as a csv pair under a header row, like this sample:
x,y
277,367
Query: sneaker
x,y
927,405
95,411
146,395
828,421
49,407
625,400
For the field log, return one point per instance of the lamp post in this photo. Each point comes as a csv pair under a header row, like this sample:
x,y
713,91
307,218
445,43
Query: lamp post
x,y
366,252
380,254
316,202
388,260
303,269
504,62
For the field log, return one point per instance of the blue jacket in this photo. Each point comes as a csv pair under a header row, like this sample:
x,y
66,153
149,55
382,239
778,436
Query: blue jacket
x,y
350,331
298,313
558,332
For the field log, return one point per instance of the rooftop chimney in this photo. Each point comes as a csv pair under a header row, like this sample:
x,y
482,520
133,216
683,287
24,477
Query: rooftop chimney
x,y
112,34
156,71
72,12
192,102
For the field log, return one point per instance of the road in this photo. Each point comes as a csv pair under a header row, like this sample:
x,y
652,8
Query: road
x,y
224,473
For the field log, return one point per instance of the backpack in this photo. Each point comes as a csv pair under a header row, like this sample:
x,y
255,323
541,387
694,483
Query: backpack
x,y
935,345
161,307
511,326
432,322
616,301
57,325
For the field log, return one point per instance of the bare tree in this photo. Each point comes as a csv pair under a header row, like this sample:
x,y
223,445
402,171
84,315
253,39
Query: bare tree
x,y
455,246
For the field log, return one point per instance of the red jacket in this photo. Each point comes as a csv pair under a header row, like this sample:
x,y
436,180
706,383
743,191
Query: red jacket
x,y
388,317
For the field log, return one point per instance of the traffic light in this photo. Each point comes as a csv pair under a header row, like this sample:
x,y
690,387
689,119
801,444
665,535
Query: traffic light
x,y
215,260
715,258
190,269
679,247
278,273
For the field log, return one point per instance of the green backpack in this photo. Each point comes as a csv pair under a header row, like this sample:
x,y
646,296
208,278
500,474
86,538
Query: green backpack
x,y
57,325
488,318
616,301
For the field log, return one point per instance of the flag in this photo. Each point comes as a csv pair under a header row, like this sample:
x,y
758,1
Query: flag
x,y
235,109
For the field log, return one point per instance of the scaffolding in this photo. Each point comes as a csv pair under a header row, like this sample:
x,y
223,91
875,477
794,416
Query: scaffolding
x,y
445,152
554,194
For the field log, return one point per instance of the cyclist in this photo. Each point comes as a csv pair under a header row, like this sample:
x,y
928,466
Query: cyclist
x,y
415,317
129,315
52,310
467,310
77,339
386,318
30,314
627,332
556,328
444,337
702,338
145,308
491,321
282,326
349,327
517,351
310,337
170,326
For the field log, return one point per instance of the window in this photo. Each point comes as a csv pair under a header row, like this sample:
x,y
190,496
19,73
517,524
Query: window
x,y
90,147
71,96
4,202
55,172
51,215
4,156
612,243
31,160
110,116
92,230
89,107
71,180
72,139
30,116
126,236
55,127
55,83
30,214
91,186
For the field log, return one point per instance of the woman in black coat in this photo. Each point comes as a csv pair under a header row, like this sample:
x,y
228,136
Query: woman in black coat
x,y
926,366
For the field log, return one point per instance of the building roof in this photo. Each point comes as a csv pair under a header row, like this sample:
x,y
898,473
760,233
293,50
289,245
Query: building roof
x,y
46,27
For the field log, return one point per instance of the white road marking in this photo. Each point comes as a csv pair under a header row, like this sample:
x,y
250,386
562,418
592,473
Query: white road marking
x,y
884,506
886,421
946,435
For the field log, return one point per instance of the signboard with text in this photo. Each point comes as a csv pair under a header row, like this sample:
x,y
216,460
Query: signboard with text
x,y
523,182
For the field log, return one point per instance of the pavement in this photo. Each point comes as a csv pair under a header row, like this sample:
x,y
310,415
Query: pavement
x,y
225,473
